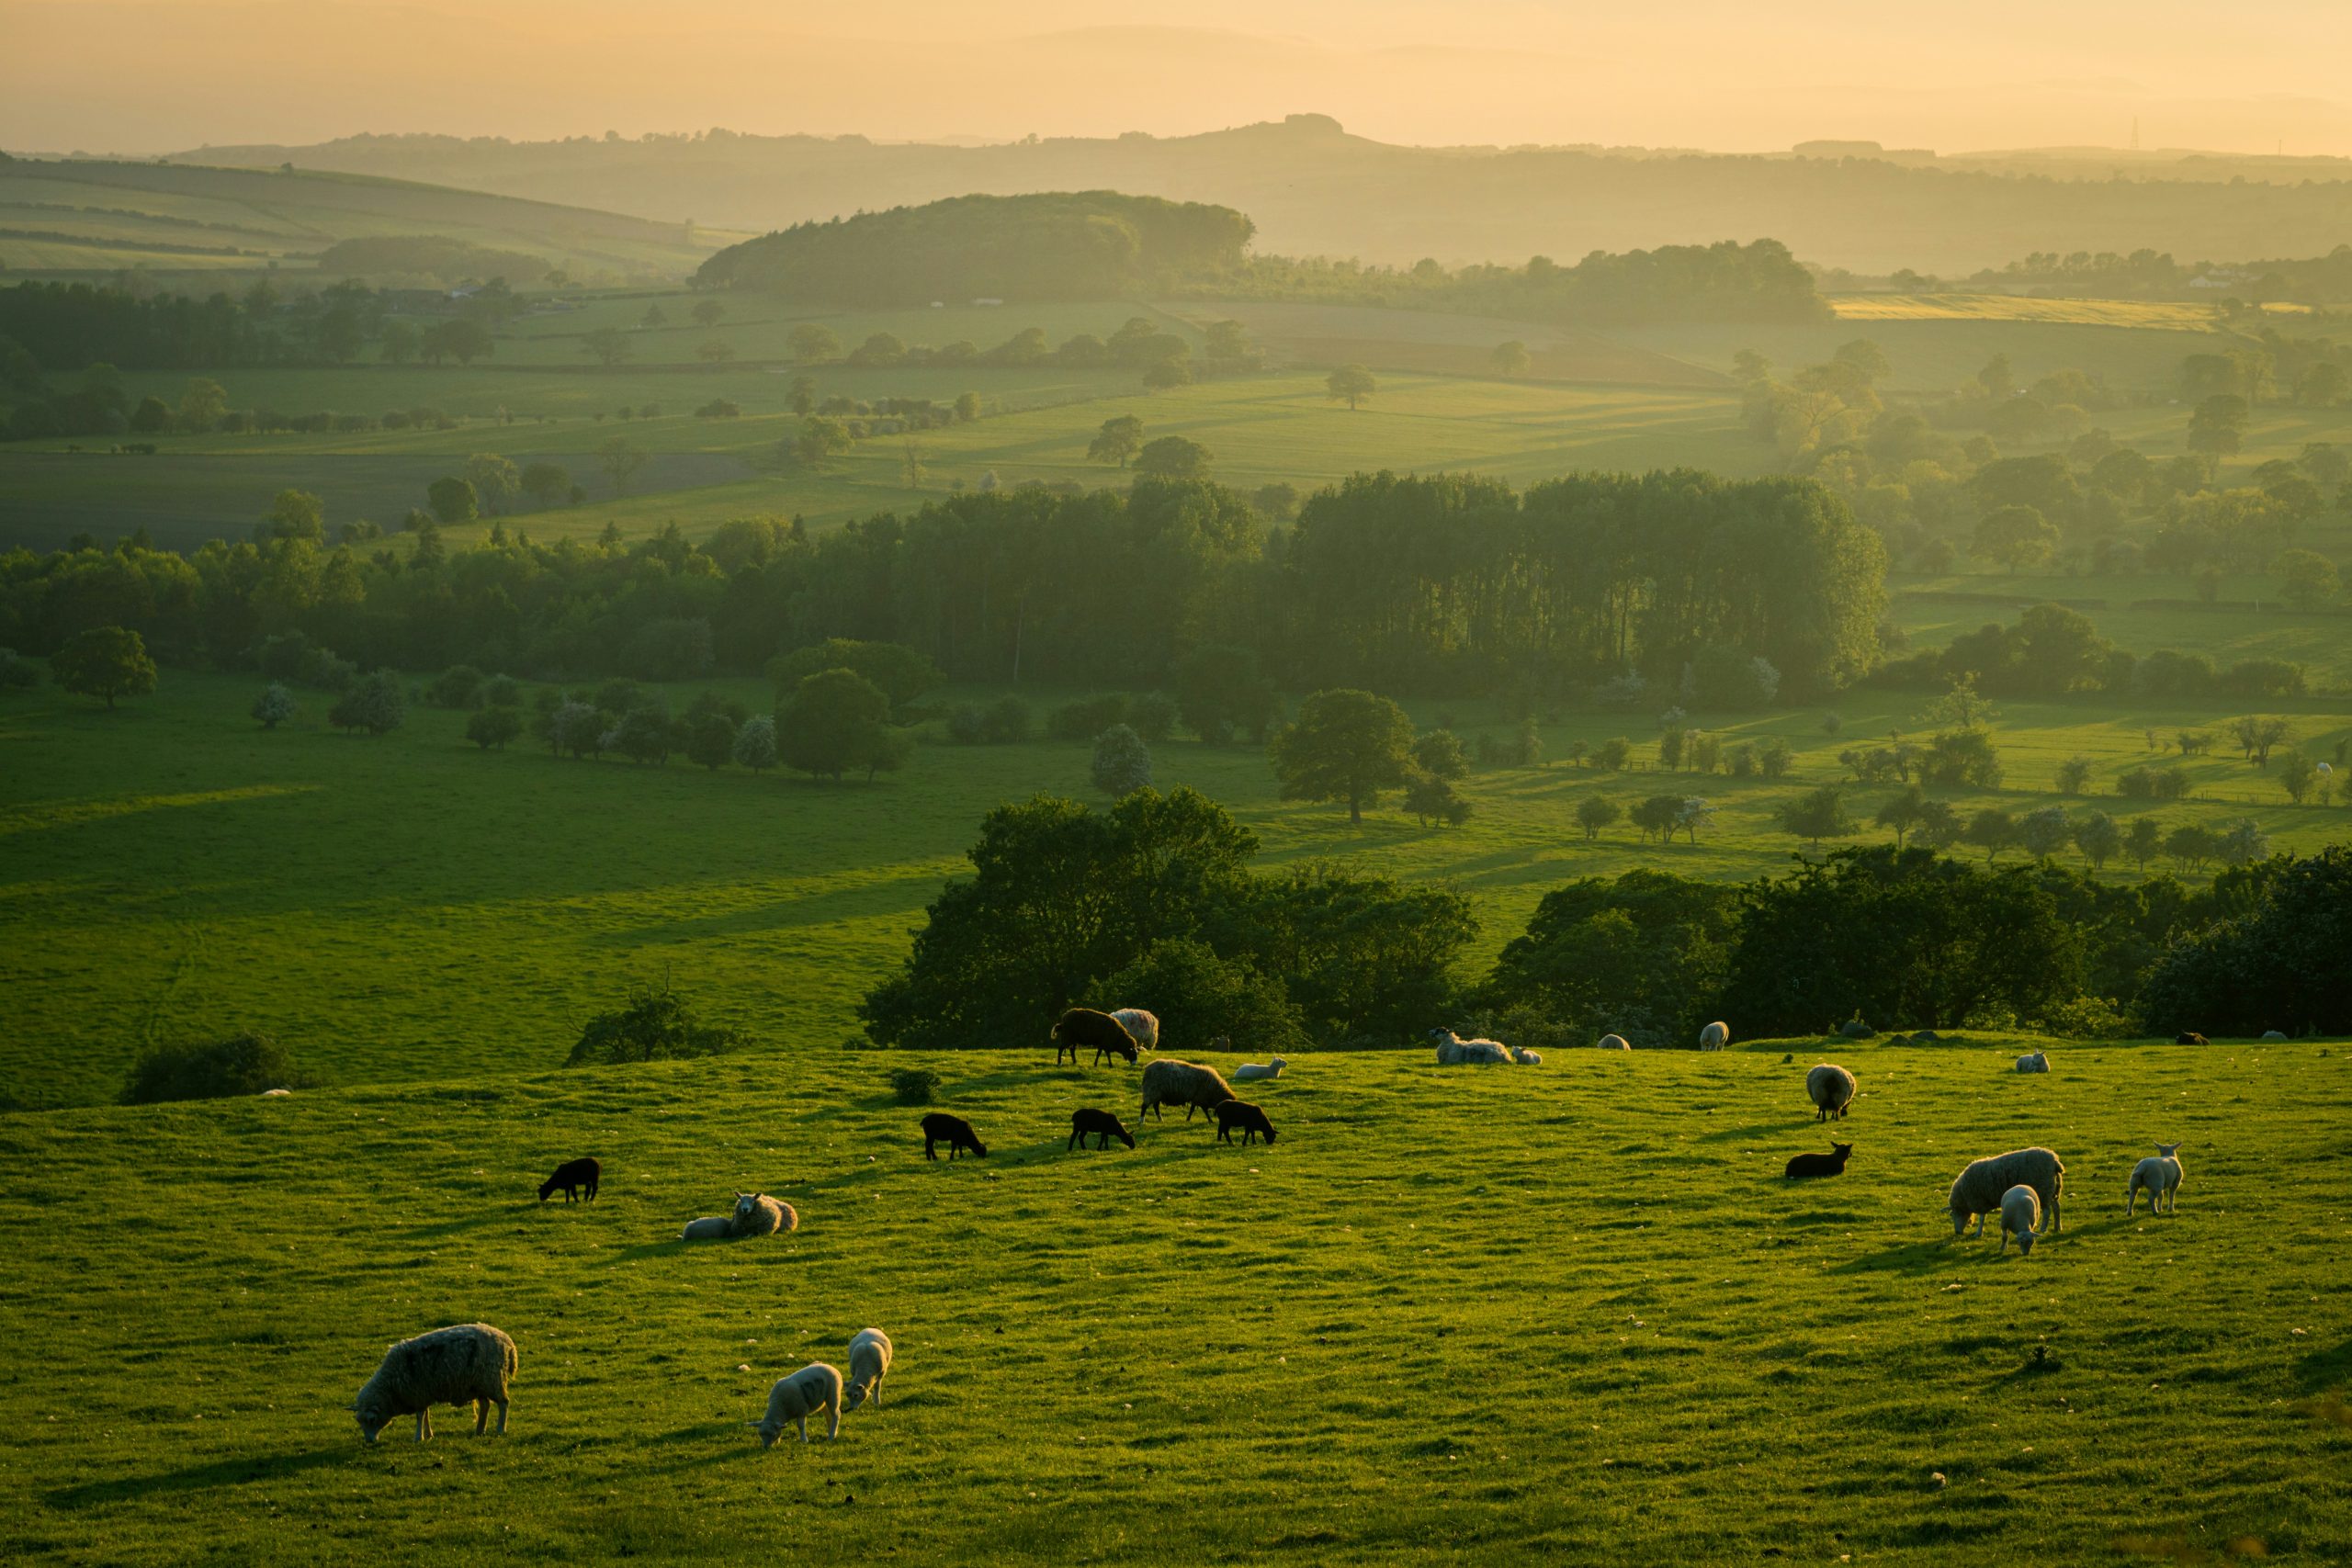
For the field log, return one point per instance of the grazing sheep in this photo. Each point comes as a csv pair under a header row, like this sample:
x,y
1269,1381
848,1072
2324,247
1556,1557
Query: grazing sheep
x,y
2273,1037
756,1213
1251,1119
2034,1061
1978,1189
2190,1037
1081,1027
1831,1164
1170,1082
1613,1042
1831,1089
1102,1124
955,1132
2160,1175
1142,1027
1525,1057
469,1364
710,1227
273,1093
1714,1037
869,1362
2021,1218
1250,1072
813,1388
1455,1051
572,1175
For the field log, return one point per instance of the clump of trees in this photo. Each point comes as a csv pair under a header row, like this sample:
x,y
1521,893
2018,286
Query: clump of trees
x,y
213,1069
656,1025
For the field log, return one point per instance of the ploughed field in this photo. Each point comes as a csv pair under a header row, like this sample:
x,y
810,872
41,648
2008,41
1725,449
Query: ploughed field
x,y
1569,1309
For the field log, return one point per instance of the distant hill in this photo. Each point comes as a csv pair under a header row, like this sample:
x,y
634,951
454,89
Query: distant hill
x,y
1313,189
90,216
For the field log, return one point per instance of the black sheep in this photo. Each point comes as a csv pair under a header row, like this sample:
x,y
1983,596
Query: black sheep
x,y
1232,1113
1081,1027
955,1132
1831,1164
1101,1123
572,1175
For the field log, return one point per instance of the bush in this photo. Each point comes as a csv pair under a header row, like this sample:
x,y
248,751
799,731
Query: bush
x,y
656,1026
501,691
1152,715
1199,996
1008,721
1122,761
18,673
1721,676
915,1085
376,705
223,1069
1083,720
456,687
493,727
273,707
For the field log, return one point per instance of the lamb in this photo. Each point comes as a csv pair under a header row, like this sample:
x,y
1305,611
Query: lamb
x,y
468,1364
1081,1027
756,1213
2021,1217
1831,1088
869,1362
1250,1072
1142,1027
1831,1164
1170,1082
1251,1119
1613,1042
1101,1123
2034,1061
710,1227
1978,1189
955,1132
1525,1057
2160,1174
1714,1037
572,1175
814,1387
1453,1050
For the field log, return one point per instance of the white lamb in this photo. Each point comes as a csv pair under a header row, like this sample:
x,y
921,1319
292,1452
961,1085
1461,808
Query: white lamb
x,y
813,1388
1525,1057
869,1361
2160,1174
1714,1037
2021,1218
1250,1072
2034,1061
1613,1042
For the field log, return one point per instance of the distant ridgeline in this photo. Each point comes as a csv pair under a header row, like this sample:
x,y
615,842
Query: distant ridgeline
x,y
1085,245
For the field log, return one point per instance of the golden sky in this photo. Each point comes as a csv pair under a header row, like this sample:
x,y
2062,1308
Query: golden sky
x,y
152,76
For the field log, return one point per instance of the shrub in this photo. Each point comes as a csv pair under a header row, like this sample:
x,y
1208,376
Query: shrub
x,y
1152,715
456,687
222,1070
1084,720
656,1026
1122,761
376,705
915,1085
1721,676
273,707
493,727
1008,721
501,691
18,673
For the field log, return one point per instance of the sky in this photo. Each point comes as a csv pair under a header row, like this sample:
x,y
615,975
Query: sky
x,y
1736,75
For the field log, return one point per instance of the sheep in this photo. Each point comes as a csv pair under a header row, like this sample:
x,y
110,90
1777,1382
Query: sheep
x,y
1170,1082
572,1175
1081,1027
1855,1029
1251,1119
955,1132
273,1093
1613,1042
2160,1174
468,1364
1525,1057
2190,1037
2034,1061
1831,1089
1831,1164
756,1213
710,1227
1142,1027
1102,1124
1251,1072
2273,1037
814,1387
1455,1051
1978,1189
869,1362
1714,1037
2021,1217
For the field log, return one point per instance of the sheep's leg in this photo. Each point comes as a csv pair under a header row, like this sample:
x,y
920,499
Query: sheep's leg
x,y
804,1428
1071,1144
926,1150
424,1426
502,1416
833,1427
877,1391
481,1414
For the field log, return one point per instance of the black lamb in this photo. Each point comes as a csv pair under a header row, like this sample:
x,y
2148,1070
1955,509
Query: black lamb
x,y
1251,1119
1831,1164
955,1132
1104,1125
572,1176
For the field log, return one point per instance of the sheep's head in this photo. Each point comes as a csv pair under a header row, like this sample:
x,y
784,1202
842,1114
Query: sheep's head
x,y
768,1430
745,1203
373,1417
1842,1151
2167,1151
2025,1244
855,1397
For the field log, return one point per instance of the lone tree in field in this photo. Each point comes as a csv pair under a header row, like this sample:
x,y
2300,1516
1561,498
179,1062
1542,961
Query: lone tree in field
x,y
1173,457
275,706
1345,746
1118,442
1350,384
1816,815
1510,358
1122,763
607,345
834,721
452,499
104,661
821,437
755,744
376,705
811,344
620,458
1595,812
706,312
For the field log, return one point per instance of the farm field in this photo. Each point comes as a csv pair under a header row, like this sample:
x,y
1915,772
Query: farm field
x,y
409,906
2177,316
1194,1352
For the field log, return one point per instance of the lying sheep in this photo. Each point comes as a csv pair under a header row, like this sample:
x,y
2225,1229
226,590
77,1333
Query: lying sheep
x,y
1525,1057
2273,1037
1978,1189
756,1213
572,1176
813,1388
1250,1072
469,1364
1081,1027
1101,1124
1452,1051
1142,1027
1831,1164
2160,1175
1613,1042
2021,1218
1714,1037
710,1227
869,1361
1831,1089
1170,1082
955,1132
2034,1061
1251,1119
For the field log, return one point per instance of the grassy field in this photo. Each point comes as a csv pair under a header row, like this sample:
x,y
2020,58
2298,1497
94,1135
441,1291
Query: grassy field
x,y
2175,316
1567,1311
408,907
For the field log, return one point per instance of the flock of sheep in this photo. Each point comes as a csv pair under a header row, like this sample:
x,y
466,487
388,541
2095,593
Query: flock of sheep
x,y
473,1363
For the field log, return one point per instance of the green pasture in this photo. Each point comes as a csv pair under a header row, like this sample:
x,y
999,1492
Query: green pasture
x,y
1569,1313
407,907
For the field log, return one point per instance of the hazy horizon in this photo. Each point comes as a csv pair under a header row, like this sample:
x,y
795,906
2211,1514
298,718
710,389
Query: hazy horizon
x,y
148,77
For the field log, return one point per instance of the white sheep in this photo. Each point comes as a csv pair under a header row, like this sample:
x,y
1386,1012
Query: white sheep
x,y
1831,1089
869,1361
1453,1050
1714,1037
1977,1191
2034,1061
275,1094
1170,1082
1525,1057
468,1364
756,1213
2021,1218
813,1388
2273,1037
1250,1072
1142,1027
2160,1175
1613,1042
710,1227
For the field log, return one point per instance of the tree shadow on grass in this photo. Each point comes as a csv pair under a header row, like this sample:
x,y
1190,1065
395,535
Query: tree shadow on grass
x,y
2324,1369
198,1478
1907,1258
